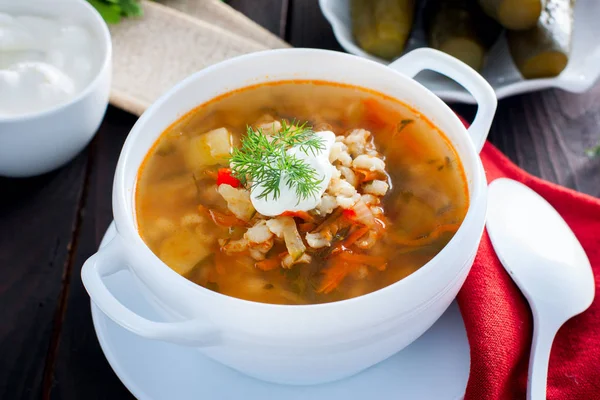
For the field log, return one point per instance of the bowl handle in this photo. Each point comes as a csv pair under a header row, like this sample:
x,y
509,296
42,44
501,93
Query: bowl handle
x,y
110,259
422,59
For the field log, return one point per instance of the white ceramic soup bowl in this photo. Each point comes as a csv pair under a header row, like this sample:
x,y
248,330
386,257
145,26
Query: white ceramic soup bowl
x,y
296,344
39,142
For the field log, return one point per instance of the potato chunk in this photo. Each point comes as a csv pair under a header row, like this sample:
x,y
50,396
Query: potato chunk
x,y
286,227
183,250
238,201
211,148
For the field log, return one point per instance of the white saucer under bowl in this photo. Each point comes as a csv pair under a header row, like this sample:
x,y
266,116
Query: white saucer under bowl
x,y
436,366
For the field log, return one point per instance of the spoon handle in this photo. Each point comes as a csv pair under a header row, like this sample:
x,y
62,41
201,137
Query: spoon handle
x,y
543,336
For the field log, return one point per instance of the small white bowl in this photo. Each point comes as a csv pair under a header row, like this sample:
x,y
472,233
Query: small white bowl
x,y
500,71
296,344
36,143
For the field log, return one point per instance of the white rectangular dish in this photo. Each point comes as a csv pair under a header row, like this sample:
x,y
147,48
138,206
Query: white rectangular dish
x,y
581,72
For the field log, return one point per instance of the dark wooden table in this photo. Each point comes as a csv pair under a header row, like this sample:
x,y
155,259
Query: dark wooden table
x,y
50,224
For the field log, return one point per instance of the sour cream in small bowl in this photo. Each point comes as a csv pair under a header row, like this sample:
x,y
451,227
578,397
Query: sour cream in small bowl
x,y
55,73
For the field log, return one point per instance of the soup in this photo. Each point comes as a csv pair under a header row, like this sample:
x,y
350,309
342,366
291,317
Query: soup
x,y
300,192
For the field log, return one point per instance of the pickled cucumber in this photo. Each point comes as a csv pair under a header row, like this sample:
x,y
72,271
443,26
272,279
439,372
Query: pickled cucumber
x,y
543,51
514,14
382,27
458,28
488,29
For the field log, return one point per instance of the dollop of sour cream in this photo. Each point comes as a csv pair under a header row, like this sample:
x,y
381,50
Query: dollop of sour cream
x,y
43,63
287,200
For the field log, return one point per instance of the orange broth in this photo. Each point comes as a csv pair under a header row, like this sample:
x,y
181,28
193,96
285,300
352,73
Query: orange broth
x,y
426,203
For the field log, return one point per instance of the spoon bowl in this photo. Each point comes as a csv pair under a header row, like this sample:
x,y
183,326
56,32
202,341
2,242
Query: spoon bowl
x,y
546,261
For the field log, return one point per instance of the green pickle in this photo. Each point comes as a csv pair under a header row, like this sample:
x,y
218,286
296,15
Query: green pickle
x,y
459,28
382,27
514,14
543,51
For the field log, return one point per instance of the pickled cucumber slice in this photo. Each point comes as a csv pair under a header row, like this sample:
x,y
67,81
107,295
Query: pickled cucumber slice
x,y
543,51
458,28
382,27
514,14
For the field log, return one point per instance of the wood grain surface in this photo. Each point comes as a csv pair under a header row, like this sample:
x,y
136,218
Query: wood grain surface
x,y
270,14
37,220
80,370
260,17
50,224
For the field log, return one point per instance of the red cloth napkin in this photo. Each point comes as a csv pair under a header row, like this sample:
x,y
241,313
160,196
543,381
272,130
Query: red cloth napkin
x,y
498,318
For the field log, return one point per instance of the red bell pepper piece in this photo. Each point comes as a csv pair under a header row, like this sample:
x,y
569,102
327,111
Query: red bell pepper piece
x,y
224,176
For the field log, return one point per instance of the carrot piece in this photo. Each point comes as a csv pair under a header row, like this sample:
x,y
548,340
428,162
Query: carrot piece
x,y
354,236
377,114
220,218
306,227
344,263
211,174
211,276
330,220
336,248
412,145
340,244
385,119
268,264
355,258
424,241
300,214
365,175
334,274
226,220
344,243
220,261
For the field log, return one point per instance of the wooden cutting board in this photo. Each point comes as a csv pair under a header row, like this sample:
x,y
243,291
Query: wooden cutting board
x,y
154,52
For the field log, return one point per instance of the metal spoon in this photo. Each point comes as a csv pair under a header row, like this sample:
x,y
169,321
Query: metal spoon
x,y
546,261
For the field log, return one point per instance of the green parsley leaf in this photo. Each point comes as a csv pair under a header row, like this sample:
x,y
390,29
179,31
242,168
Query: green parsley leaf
x,y
110,12
131,8
113,10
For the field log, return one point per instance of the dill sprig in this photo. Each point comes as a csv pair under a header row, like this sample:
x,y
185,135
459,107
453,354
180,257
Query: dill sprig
x,y
262,160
